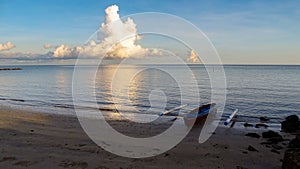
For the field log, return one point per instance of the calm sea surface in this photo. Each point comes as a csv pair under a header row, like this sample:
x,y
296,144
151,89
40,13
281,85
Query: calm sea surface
x,y
272,91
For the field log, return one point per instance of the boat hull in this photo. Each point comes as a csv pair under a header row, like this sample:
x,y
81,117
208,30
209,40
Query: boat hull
x,y
198,116
195,122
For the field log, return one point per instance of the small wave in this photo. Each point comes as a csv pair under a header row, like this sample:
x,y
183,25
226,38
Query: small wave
x,y
64,106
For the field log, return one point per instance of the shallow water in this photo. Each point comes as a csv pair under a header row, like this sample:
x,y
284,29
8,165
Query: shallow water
x,y
272,91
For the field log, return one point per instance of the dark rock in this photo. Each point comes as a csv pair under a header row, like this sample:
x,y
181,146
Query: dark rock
x,y
295,143
291,124
275,140
255,135
261,125
248,125
270,134
251,148
292,118
291,158
264,119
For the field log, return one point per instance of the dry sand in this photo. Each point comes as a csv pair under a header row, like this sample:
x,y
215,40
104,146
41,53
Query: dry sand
x,y
39,140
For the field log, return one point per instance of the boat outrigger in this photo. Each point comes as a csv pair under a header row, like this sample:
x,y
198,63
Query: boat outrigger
x,y
194,117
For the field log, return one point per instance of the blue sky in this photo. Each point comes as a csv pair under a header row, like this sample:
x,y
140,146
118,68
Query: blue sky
x,y
242,31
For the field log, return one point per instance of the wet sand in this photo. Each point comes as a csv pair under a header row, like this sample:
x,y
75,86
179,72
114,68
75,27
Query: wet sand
x,y
39,140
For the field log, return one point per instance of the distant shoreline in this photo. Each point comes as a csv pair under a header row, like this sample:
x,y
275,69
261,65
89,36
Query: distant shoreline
x,y
10,69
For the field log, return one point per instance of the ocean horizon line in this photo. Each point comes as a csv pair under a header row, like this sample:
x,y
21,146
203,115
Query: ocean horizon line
x,y
159,64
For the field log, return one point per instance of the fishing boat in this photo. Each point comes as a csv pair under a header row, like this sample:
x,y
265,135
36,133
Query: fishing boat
x,y
199,115
194,117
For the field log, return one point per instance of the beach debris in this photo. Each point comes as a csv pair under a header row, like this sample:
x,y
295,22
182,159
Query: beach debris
x,y
291,124
73,164
251,148
277,147
81,145
13,134
264,119
101,167
291,158
261,125
254,135
248,125
8,159
207,154
272,136
24,163
275,151
268,146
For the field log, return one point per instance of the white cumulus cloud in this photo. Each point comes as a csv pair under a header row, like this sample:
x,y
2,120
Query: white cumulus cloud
x,y
66,51
193,57
119,40
6,46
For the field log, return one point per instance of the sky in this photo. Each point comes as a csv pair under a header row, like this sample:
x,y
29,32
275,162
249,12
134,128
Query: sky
x,y
243,32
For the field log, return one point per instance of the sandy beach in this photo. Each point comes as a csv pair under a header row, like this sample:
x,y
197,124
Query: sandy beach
x,y
39,140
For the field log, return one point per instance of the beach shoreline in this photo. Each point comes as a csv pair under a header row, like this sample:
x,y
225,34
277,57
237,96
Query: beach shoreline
x,y
35,140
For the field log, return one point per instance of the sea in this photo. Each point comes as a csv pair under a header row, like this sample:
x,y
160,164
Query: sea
x,y
271,91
